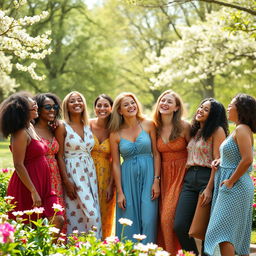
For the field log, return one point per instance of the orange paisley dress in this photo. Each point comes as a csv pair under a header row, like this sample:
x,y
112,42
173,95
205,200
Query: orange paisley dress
x,y
173,167
101,157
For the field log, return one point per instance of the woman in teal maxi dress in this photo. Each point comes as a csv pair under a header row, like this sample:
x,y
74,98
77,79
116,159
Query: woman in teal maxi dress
x,y
137,179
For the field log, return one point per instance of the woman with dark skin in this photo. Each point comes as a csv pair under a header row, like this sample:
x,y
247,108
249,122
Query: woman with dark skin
x,y
231,216
208,131
30,183
48,113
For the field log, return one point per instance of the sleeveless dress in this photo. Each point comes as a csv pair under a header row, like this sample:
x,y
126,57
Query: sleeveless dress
x,y
231,216
39,173
137,176
173,163
101,158
82,213
56,182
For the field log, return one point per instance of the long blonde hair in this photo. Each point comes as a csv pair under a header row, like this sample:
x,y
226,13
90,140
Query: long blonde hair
x,y
66,116
177,115
116,118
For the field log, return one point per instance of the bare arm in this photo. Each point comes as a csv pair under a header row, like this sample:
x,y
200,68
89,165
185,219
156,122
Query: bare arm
x,y
186,130
114,142
218,137
243,137
60,134
157,162
19,146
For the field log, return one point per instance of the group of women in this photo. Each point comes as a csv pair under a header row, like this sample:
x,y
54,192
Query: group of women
x,y
157,168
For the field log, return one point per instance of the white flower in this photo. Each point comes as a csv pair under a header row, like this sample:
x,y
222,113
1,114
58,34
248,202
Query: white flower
x,y
139,237
124,221
29,212
141,247
17,213
152,246
162,253
39,210
54,230
57,207
112,239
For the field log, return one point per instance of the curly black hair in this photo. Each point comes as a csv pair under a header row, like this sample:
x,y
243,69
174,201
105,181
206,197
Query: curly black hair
x,y
14,113
246,109
41,97
217,118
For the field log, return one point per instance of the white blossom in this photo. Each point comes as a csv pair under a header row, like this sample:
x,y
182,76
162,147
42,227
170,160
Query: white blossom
x,y
126,222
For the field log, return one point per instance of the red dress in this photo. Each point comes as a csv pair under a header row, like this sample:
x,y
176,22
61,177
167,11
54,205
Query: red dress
x,y
39,173
56,182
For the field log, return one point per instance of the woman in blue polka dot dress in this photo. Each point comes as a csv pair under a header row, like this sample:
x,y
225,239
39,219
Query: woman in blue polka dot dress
x,y
231,218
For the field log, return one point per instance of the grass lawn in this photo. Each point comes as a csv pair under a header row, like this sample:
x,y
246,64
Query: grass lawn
x,y
253,237
5,155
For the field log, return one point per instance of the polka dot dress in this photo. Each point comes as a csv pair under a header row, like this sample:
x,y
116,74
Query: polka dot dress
x,y
231,215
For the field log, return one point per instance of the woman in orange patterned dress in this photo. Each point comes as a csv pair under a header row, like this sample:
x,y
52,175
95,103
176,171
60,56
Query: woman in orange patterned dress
x,y
173,136
48,112
101,156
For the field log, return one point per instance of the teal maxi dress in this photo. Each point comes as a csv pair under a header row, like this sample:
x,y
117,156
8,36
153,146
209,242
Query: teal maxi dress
x,y
231,215
137,176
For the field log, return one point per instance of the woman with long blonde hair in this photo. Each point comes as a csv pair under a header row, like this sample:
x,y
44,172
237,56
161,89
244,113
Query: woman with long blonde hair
x,y
137,179
172,140
77,167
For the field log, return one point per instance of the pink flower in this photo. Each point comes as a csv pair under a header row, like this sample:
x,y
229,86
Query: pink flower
x,y
254,205
6,233
5,170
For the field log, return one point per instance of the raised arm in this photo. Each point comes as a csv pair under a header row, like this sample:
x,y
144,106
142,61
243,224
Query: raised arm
x,y
243,137
114,142
60,134
19,144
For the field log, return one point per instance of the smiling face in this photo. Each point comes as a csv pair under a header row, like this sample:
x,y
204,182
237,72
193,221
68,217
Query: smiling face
x,y
32,109
75,104
167,104
48,110
128,107
232,111
102,108
203,111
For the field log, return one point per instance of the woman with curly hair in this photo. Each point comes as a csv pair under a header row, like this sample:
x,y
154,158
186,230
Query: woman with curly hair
x,y
173,134
48,113
208,131
137,178
30,184
231,216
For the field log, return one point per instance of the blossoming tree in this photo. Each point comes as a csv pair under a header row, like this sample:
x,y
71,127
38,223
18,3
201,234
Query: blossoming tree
x,y
206,51
16,44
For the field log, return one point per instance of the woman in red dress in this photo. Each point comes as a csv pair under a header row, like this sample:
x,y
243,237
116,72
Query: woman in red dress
x,y
30,183
48,112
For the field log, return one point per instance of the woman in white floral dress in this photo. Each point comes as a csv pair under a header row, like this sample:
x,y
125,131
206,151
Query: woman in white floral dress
x,y
77,167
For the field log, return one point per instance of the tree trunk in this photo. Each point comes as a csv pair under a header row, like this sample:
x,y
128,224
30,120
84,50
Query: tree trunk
x,y
208,85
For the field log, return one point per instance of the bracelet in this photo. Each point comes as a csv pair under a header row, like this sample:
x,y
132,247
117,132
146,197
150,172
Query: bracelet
x,y
157,177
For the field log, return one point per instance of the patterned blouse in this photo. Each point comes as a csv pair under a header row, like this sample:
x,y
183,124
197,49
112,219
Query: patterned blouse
x,y
200,152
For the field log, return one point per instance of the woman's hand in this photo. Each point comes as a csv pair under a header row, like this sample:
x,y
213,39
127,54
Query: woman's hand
x,y
227,183
207,197
37,202
71,189
215,164
109,192
155,192
121,201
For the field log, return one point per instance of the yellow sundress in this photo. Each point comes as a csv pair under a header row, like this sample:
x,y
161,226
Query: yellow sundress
x,y
101,156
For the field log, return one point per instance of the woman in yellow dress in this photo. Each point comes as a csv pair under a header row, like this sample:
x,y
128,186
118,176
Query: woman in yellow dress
x,y
102,160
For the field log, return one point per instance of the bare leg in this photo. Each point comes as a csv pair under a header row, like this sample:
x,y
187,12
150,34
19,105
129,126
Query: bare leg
x,y
227,249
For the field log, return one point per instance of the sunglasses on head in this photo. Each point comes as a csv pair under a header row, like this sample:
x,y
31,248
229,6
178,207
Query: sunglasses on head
x,y
49,107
